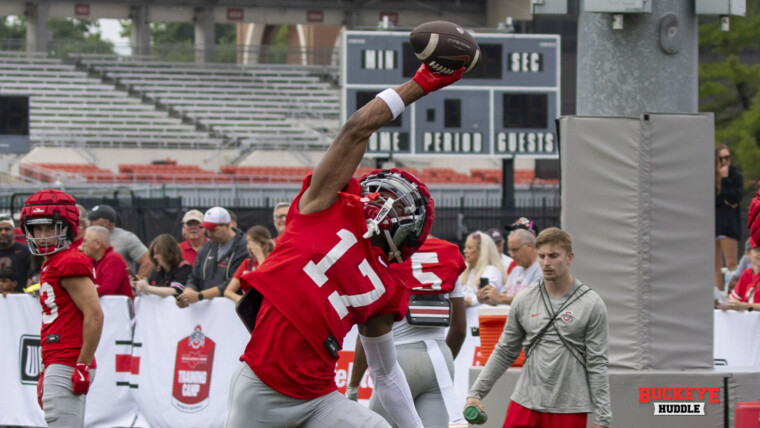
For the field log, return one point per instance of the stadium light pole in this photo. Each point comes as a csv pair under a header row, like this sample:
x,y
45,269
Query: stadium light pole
x,y
648,65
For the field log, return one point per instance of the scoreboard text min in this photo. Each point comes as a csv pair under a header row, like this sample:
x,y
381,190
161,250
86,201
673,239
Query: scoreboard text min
x,y
504,107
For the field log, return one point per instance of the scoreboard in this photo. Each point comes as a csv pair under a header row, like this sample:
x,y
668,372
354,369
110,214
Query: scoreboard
x,y
14,124
505,107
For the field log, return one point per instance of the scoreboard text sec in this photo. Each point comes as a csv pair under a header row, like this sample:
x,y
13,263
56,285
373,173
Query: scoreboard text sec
x,y
504,107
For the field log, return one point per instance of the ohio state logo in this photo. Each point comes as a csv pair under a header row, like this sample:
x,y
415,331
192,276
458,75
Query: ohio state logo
x,y
567,316
192,372
30,359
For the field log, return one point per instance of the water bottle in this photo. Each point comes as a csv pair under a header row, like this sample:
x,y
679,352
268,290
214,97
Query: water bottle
x,y
475,416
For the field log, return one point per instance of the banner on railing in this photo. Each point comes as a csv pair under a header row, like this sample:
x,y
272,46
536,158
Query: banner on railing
x,y
172,367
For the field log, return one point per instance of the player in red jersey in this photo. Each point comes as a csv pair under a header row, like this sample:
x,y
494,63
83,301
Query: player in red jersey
x,y
425,350
328,272
72,318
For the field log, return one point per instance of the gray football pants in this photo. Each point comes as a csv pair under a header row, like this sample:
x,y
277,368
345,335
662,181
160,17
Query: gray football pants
x,y
415,361
254,404
62,408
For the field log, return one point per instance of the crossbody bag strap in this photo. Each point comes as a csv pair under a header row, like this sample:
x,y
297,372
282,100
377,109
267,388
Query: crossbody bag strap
x,y
554,316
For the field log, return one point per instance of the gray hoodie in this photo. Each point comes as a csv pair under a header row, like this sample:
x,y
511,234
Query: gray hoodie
x,y
210,271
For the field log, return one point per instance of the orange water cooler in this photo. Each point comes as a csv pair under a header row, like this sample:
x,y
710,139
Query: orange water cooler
x,y
491,320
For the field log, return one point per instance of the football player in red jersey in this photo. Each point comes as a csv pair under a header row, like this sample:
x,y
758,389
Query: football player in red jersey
x,y
72,318
328,272
425,351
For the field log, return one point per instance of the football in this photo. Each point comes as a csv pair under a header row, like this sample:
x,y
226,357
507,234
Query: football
x,y
444,46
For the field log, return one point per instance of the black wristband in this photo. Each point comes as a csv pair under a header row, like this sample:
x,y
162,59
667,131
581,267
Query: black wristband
x,y
750,309
200,296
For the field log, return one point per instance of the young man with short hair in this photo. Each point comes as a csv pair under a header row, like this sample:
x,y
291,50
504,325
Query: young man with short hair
x,y
562,324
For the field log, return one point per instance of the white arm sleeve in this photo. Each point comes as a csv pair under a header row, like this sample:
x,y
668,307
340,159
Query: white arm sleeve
x,y
389,379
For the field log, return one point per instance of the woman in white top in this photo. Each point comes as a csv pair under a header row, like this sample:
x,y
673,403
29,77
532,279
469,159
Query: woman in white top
x,y
483,261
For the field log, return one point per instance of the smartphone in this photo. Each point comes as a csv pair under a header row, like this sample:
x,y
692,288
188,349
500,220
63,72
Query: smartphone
x,y
483,282
131,274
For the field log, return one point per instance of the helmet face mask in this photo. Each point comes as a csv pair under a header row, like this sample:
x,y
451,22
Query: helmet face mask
x,y
54,208
397,206
46,245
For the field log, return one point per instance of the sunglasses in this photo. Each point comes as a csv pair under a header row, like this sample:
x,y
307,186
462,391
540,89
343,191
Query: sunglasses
x,y
724,158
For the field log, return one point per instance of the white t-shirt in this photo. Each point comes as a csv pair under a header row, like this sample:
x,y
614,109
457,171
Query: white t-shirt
x,y
521,278
494,278
506,261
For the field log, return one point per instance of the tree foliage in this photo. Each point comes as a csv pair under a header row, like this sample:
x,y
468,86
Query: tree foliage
x,y
729,83
67,35
76,35
12,29
175,41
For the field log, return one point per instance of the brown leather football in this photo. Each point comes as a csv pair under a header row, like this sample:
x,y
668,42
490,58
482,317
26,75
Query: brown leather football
x,y
444,46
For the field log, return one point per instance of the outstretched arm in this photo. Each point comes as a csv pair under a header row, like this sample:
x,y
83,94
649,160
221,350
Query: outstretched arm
x,y
344,154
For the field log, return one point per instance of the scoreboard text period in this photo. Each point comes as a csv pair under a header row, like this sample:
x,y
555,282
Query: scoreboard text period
x,y
504,107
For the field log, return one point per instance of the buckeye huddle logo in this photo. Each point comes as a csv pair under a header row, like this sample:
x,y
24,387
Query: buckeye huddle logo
x,y
679,400
192,372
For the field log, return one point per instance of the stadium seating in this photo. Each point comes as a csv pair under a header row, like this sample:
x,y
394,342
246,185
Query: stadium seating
x,y
69,108
266,106
107,102
168,171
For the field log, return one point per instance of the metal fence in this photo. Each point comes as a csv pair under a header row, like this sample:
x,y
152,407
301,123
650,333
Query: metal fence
x,y
149,217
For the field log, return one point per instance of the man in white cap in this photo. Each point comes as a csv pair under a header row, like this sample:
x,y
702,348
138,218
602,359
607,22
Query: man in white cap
x,y
193,236
13,254
217,260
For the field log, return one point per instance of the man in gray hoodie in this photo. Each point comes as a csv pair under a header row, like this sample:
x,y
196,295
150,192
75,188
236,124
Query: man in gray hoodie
x,y
562,324
217,260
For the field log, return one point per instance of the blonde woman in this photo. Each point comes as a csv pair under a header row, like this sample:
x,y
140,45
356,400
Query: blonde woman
x,y
483,261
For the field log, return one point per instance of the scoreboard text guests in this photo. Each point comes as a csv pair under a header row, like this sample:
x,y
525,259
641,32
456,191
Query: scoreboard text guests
x,y
504,107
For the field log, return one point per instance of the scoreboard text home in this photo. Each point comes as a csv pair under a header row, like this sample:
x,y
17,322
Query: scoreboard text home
x,y
504,107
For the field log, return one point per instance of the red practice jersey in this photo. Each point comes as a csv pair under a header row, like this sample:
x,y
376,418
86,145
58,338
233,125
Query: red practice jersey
x,y
747,289
61,334
321,279
433,269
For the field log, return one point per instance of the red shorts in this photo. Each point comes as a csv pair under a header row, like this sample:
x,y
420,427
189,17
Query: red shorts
x,y
521,417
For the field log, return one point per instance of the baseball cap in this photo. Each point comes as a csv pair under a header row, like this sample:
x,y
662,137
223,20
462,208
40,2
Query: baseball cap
x,y
9,221
752,243
192,215
102,211
495,234
214,217
523,223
